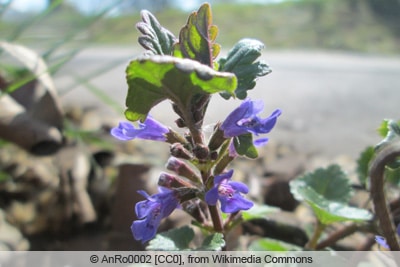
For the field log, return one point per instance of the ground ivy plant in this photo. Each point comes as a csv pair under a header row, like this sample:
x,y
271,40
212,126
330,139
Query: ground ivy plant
x,y
185,70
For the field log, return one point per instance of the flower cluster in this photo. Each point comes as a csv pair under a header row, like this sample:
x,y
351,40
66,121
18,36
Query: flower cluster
x,y
229,194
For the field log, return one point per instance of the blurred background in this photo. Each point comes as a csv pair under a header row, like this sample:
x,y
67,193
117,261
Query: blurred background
x,y
336,69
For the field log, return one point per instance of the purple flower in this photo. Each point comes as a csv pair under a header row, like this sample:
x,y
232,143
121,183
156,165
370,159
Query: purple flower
x,y
244,120
228,193
382,241
150,129
151,211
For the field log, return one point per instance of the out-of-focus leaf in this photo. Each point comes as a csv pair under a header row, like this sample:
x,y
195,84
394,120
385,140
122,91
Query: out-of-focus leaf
x,y
244,146
268,244
258,211
241,61
154,79
331,183
383,128
329,212
392,175
392,133
4,177
172,240
328,191
156,39
214,242
197,37
363,164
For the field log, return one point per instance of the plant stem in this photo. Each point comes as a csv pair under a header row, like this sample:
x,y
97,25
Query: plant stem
x,y
376,173
312,243
214,211
339,234
216,219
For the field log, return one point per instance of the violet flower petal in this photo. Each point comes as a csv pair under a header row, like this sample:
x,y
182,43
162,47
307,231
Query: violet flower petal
x,y
228,193
151,211
150,129
235,203
244,119
381,241
211,196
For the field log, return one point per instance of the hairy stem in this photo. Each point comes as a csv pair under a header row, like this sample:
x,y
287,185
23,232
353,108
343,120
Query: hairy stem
x,y
216,218
214,211
376,173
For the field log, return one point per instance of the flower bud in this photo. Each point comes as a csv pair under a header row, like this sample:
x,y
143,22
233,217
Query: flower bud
x,y
179,151
173,137
189,138
180,123
213,155
186,193
201,151
221,165
217,139
171,181
182,169
197,209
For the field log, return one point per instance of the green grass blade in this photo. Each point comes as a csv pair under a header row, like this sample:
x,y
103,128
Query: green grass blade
x,y
105,98
87,23
94,74
28,23
4,7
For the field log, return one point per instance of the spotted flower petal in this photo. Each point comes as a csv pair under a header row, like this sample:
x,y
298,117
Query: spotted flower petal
x,y
244,119
229,193
151,211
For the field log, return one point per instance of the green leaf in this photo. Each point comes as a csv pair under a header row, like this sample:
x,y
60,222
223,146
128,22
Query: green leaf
x,y
331,183
363,164
196,38
154,79
383,128
214,242
156,39
329,212
392,175
258,211
241,61
328,191
244,146
392,133
4,177
268,244
172,240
